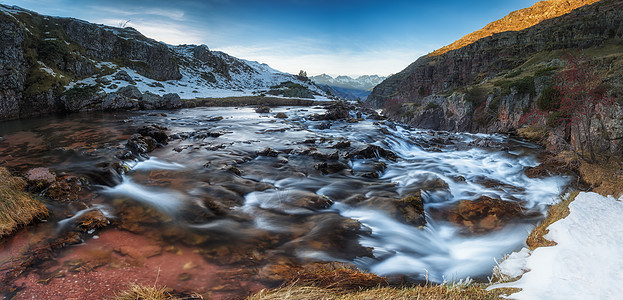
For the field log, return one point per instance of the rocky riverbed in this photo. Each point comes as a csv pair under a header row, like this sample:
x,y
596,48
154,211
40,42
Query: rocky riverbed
x,y
226,201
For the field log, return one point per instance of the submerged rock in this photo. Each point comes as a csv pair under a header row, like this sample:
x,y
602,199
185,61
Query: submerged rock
x,y
409,209
484,214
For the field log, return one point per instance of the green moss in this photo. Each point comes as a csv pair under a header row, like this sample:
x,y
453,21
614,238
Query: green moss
x,y
513,73
547,71
476,95
524,85
549,99
82,92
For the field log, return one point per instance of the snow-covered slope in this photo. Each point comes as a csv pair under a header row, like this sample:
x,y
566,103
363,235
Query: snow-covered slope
x,y
347,87
365,82
586,263
205,74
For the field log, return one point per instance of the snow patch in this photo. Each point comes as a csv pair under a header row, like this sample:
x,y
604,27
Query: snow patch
x,y
47,69
586,263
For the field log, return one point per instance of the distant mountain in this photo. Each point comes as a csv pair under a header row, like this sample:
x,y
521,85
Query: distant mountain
x,y
52,64
347,87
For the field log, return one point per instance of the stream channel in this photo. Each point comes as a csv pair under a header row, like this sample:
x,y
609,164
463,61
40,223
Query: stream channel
x,y
244,192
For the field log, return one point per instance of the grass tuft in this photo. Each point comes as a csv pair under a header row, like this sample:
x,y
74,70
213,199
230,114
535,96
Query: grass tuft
x,y
142,292
17,207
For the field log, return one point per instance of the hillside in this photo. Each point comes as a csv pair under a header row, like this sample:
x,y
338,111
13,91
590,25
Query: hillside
x,y
518,20
62,64
487,86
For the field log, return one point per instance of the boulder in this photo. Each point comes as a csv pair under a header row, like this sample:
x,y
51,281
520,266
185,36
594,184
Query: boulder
x,y
373,151
156,132
171,101
141,144
123,75
114,101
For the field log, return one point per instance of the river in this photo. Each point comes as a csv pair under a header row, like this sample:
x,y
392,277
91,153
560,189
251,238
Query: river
x,y
240,190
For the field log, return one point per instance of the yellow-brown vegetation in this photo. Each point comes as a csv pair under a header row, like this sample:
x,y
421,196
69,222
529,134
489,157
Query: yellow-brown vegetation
x,y
17,207
518,20
556,212
429,291
605,177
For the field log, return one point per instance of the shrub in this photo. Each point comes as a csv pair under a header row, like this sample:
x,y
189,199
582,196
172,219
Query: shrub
x,y
557,118
476,95
524,85
549,99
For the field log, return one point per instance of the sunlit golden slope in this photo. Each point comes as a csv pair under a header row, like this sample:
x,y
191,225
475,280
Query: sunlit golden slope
x,y
518,20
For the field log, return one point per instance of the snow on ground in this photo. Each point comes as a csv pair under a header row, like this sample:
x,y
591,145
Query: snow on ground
x,y
254,81
587,262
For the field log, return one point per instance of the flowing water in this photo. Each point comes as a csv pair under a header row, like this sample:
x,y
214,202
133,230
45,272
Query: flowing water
x,y
250,189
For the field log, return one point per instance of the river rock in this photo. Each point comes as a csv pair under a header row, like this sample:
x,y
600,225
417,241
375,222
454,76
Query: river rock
x,y
150,101
262,109
40,178
171,101
156,132
484,214
329,168
281,116
139,253
336,111
141,144
409,209
130,92
115,101
373,151
91,220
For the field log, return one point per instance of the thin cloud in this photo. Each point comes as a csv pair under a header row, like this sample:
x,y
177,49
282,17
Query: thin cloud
x,y
168,32
173,14
295,55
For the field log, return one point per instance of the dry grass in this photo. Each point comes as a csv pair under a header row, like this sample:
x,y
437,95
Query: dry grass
x,y
142,292
17,207
537,134
605,178
472,291
556,212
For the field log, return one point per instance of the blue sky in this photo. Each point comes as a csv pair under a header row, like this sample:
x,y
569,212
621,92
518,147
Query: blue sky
x,y
320,36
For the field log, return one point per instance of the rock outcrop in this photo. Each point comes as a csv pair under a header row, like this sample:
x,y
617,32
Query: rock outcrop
x,y
52,64
589,26
489,84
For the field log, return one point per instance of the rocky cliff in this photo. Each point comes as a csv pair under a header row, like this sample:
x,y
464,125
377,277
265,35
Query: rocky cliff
x,y
50,64
488,85
597,25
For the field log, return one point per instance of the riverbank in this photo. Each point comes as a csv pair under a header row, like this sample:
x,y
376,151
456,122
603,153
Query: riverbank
x,y
263,184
